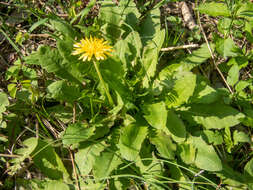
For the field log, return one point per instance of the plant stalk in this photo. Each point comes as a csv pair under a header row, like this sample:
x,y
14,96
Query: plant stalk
x,y
103,83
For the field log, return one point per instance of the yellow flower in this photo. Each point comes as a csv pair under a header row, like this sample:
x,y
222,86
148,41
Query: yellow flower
x,y
92,46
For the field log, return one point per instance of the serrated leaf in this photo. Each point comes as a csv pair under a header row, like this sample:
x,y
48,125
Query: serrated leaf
x,y
51,60
150,56
212,116
105,164
85,158
152,38
76,133
113,74
155,114
214,9
175,126
233,75
130,141
227,47
206,157
164,145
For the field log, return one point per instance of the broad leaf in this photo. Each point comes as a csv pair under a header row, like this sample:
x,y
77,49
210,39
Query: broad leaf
x,y
206,157
213,137
29,146
85,158
152,39
60,90
233,75
56,185
214,9
63,27
130,141
76,133
47,160
249,167
197,57
164,145
204,94
212,116
3,101
187,152
227,47
183,89
176,127
51,60
105,163
156,114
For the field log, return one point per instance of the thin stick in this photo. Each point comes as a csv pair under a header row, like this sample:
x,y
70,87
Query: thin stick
x,y
74,169
180,47
211,52
9,155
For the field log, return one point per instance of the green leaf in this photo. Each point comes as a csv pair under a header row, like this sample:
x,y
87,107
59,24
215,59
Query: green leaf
x,y
224,25
233,75
3,101
113,74
47,160
204,94
183,89
214,9
227,47
60,90
150,56
239,136
246,11
187,152
131,139
29,146
76,133
51,60
63,27
85,157
206,157
56,185
212,116
197,57
152,38
249,167
213,137
129,49
155,114
105,164
176,127
164,145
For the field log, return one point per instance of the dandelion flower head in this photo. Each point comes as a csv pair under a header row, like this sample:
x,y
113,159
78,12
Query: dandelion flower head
x,y
92,46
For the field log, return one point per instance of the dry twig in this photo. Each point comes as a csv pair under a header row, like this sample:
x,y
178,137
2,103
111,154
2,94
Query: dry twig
x,y
180,47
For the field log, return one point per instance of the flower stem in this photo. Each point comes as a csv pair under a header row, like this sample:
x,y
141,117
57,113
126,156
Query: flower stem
x,y
103,83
